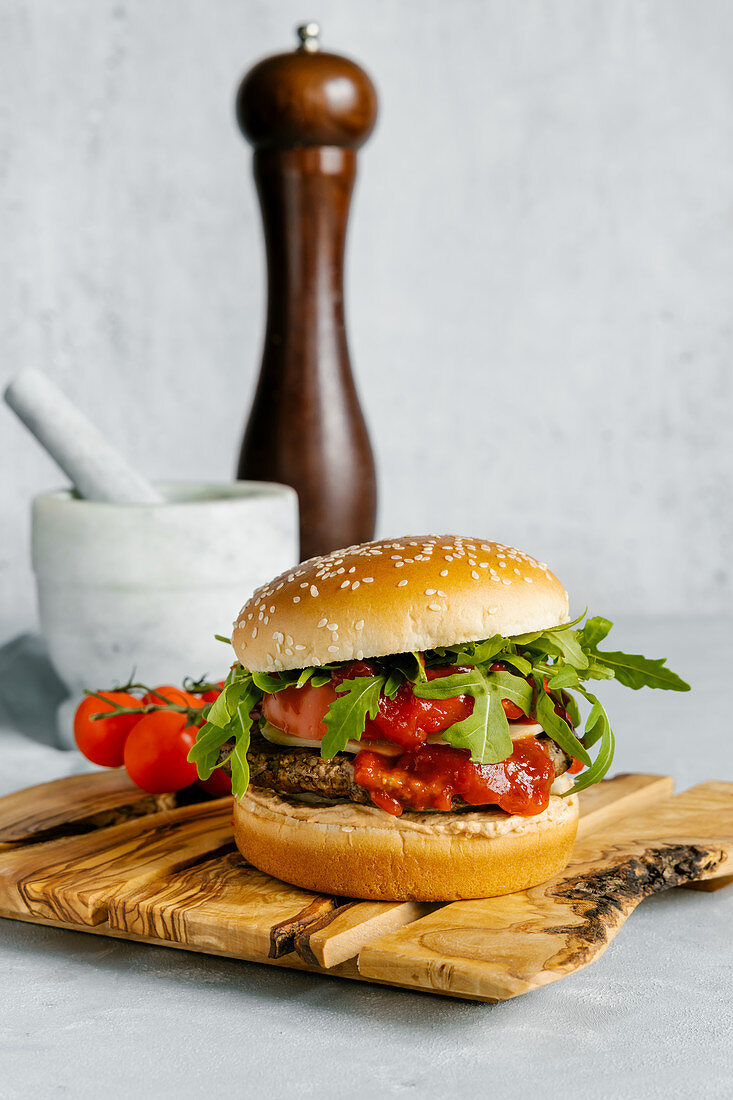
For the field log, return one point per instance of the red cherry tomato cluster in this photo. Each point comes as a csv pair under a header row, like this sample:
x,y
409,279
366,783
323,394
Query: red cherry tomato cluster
x,y
153,746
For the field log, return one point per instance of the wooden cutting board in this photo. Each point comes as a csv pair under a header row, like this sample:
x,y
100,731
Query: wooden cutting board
x,y
93,853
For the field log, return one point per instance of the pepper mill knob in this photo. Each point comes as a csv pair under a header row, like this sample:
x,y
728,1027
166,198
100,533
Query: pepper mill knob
x,y
307,97
306,113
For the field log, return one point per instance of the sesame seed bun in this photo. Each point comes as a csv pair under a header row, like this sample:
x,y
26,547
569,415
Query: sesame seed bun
x,y
395,596
361,852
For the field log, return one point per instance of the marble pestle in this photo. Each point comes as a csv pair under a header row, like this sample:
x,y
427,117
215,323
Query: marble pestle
x,y
97,470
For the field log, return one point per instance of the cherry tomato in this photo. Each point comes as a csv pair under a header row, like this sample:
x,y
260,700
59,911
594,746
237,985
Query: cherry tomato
x,y
102,741
156,752
213,694
167,693
219,784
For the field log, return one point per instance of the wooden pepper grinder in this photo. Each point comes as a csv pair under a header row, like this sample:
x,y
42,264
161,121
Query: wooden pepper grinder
x,y
306,113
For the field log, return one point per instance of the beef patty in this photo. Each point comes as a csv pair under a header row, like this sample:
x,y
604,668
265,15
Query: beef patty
x,y
303,771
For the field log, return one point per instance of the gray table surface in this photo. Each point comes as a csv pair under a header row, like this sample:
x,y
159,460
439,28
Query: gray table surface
x,y
82,1016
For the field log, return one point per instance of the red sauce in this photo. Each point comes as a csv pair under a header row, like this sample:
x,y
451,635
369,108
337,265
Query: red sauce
x,y
430,776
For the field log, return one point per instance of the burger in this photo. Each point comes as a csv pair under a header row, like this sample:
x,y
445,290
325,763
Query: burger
x,y
403,720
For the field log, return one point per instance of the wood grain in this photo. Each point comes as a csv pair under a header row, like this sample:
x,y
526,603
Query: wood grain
x,y
620,797
174,878
223,904
73,879
77,804
498,948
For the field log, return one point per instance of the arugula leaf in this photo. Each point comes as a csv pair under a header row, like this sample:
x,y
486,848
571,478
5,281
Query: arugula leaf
x,y
228,717
346,716
268,683
635,671
485,732
395,680
204,753
597,728
566,643
238,757
558,729
594,631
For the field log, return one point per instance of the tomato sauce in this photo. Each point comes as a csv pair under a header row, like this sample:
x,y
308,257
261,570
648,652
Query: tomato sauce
x,y
429,777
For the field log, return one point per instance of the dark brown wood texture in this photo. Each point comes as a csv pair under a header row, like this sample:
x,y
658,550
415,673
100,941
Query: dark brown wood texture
x,y
306,113
173,877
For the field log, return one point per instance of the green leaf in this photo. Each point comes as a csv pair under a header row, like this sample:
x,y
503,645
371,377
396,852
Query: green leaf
x,y
204,753
228,717
566,643
557,728
485,732
346,716
395,680
521,664
635,671
238,757
597,728
594,631
269,684
449,687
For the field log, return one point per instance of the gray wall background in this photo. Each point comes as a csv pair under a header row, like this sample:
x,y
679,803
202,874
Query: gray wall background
x,y
539,273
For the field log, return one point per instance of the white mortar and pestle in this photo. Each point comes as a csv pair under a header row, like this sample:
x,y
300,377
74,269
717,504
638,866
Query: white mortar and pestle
x,y
138,578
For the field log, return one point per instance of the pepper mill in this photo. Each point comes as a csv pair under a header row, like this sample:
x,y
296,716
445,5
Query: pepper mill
x,y
306,113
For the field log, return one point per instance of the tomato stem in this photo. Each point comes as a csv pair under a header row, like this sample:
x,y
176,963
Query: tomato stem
x,y
193,714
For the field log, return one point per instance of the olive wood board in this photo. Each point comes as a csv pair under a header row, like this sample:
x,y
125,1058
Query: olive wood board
x,y
93,853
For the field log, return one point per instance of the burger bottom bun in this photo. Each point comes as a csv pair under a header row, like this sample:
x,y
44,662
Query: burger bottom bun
x,y
361,852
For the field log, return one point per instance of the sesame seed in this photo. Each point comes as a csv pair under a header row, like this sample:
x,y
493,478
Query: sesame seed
x,y
272,610
254,631
429,591
528,580
359,625
367,580
266,619
296,599
304,584
314,590
434,607
353,569
300,646
516,570
333,649
344,584
398,564
360,654
278,636
333,626
474,574
401,584
322,622
502,565
288,652
354,586
289,639
442,593
506,580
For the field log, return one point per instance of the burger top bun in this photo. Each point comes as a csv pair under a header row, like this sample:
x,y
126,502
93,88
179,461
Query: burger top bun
x,y
394,596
